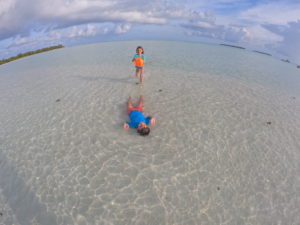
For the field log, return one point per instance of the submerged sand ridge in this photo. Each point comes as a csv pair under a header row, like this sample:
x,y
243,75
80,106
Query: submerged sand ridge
x,y
225,148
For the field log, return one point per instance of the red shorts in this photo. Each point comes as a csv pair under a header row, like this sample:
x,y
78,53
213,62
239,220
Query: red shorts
x,y
137,108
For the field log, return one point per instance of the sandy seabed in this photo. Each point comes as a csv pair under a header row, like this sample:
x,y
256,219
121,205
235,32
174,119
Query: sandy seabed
x,y
225,149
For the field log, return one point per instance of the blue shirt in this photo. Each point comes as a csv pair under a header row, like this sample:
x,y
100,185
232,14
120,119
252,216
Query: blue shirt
x,y
142,56
136,117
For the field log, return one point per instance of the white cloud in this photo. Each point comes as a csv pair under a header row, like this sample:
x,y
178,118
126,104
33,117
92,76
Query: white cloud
x,y
273,13
6,6
20,17
58,35
20,41
200,25
133,16
122,28
259,36
68,8
8,23
76,31
289,46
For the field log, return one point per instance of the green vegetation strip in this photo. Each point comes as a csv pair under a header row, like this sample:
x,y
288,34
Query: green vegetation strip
x,y
21,55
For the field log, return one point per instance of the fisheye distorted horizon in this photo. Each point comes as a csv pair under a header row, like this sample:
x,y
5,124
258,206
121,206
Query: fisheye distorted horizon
x,y
269,26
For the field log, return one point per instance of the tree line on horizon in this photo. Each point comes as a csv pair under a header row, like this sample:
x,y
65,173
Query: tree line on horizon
x,y
21,55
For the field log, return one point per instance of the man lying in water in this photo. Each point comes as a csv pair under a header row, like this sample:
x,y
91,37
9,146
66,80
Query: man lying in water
x,y
137,119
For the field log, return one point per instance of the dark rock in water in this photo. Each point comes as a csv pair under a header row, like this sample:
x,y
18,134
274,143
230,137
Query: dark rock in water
x,y
57,100
269,123
218,188
160,90
137,83
1,214
293,97
298,66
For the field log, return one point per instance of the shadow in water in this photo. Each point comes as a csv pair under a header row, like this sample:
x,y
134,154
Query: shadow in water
x,y
25,205
122,108
108,79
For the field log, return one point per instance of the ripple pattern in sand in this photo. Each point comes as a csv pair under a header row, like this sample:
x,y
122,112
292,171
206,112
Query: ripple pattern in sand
x,y
224,150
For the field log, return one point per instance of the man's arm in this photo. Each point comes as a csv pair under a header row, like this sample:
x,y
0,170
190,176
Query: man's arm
x,y
150,120
125,126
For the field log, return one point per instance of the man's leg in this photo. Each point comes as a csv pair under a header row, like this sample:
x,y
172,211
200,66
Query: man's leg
x,y
141,101
129,104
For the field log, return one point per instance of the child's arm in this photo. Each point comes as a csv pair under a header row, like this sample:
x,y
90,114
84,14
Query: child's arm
x,y
133,59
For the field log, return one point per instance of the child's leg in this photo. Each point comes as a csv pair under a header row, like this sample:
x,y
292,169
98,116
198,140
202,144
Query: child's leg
x,y
142,75
137,73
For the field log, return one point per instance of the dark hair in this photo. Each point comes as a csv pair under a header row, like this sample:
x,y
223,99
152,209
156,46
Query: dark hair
x,y
141,48
144,131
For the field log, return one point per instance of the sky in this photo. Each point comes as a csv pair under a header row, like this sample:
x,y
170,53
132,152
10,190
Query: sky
x,y
272,26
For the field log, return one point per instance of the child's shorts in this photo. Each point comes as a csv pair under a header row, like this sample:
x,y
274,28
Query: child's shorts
x,y
138,67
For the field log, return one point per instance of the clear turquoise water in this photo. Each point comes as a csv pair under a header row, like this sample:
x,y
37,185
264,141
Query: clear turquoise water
x,y
225,149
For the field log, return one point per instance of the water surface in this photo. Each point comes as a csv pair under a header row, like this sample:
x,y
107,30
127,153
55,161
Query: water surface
x,y
225,149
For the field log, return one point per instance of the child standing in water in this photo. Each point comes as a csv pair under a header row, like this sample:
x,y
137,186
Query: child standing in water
x,y
139,60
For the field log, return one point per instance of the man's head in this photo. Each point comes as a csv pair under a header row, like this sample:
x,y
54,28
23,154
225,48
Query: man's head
x,y
143,129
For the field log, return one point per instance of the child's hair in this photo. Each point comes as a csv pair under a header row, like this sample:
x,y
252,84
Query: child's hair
x,y
138,48
144,131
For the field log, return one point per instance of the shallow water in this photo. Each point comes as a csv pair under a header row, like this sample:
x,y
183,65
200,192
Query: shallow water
x,y
225,149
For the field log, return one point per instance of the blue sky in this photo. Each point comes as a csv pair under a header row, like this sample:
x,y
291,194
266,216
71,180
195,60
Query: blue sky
x,y
271,26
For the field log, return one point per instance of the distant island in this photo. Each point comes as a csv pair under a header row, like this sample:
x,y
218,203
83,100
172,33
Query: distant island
x,y
21,55
298,66
262,53
285,60
233,46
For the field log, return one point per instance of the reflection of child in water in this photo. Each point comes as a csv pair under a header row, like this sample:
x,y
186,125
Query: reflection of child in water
x,y
137,119
139,60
